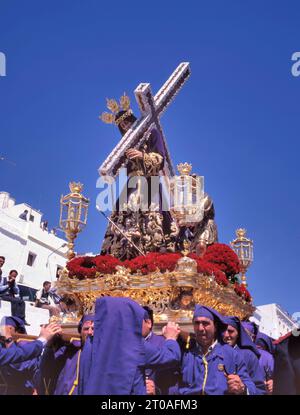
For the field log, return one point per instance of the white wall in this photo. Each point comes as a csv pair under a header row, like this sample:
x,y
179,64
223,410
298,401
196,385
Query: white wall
x,y
273,320
18,238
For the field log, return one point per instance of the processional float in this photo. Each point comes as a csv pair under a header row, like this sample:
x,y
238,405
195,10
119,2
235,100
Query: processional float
x,y
169,283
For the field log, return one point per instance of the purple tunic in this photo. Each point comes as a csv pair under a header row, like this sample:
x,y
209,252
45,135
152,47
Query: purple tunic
x,y
254,370
249,353
196,380
19,377
58,370
266,363
164,379
20,353
114,361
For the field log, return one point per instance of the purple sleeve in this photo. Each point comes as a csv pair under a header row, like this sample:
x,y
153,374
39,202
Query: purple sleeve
x,y
241,371
16,354
166,356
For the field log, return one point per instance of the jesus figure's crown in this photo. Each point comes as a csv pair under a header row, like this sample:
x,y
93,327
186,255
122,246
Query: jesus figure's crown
x,y
114,107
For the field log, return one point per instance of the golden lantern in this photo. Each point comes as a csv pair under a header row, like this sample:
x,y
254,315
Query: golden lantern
x,y
243,247
186,202
73,214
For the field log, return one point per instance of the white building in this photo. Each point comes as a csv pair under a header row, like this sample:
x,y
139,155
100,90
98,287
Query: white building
x,y
35,253
273,320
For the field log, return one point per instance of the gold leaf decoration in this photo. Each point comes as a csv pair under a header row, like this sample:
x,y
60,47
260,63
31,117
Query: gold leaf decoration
x,y
125,102
107,118
112,105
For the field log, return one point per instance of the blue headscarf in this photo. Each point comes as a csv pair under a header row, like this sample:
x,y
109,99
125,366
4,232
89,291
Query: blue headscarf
x,y
244,341
110,360
212,314
264,340
86,317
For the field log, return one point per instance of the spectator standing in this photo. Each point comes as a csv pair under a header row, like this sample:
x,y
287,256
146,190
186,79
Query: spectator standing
x,y
9,291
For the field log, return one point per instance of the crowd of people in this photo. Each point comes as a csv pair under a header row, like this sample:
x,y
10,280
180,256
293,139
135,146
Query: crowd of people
x,y
46,297
117,353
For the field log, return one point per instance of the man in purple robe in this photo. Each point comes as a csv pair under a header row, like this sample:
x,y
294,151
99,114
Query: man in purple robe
x,y
115,360
266,360
59,368
159,381
210,367
18,377
18,361
265,345
287,364
236,336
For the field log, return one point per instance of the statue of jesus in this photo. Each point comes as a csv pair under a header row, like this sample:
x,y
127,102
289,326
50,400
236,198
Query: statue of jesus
x,y
150,229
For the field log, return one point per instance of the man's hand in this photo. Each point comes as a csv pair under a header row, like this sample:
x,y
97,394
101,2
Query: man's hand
x,y
150,387
49,331
269,386
133,153
235,385
171,331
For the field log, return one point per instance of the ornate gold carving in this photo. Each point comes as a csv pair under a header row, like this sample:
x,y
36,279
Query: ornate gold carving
x,y
240,233
75,187
184,168
114,107
123,116
152,162
107,118
145,229
125,102
171,295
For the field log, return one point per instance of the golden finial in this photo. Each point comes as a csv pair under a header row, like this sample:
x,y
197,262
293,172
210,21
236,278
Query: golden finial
x,y
75,187
114,107
240,233
184,168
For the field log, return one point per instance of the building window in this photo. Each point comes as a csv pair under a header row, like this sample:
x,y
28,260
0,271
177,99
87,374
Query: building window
x,y
31,218
31,259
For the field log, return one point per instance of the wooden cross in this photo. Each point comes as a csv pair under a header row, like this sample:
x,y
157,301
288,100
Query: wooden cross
x,y
151,109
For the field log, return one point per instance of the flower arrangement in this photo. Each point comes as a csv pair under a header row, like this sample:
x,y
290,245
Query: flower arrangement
x,y
82,266
152,261
224,257
90,267
219,260
242,291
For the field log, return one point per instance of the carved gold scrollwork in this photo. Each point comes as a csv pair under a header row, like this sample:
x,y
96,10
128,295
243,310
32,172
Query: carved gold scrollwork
x,y
160,291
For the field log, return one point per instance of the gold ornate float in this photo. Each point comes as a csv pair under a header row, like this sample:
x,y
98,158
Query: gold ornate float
x,y
171,295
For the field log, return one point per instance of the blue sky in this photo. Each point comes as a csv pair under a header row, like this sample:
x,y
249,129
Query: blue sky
x,y
236,120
